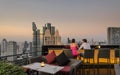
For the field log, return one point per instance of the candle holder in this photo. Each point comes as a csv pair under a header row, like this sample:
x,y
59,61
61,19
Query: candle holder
x,y
42,64
99,46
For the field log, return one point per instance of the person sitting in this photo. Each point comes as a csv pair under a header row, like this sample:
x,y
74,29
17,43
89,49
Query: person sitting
x,y
84,45
74,48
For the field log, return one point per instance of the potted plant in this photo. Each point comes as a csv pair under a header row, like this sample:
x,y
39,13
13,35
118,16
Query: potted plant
x,y
10,69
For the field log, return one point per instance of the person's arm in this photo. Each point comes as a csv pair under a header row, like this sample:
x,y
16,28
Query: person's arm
x,y
77,46
80,47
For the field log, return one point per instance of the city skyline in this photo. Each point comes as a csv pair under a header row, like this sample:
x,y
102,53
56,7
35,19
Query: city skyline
x,y
73,18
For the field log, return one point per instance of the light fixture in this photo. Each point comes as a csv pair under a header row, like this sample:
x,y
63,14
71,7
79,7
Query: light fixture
x,y
42,64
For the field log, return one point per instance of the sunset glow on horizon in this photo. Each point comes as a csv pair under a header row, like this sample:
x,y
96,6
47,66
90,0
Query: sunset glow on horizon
x,y
73,18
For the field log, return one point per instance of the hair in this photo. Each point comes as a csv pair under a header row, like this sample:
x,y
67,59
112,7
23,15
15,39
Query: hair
x,y
84,40
73,40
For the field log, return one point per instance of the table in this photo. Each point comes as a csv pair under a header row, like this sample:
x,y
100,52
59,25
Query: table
x,y
51,69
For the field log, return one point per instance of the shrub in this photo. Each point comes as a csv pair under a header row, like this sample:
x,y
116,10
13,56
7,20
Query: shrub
x,y
10,69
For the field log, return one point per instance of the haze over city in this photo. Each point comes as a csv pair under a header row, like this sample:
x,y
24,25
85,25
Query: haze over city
x,y
73,18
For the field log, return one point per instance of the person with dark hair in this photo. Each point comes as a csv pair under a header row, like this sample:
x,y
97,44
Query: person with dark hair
x,y
84,45
74,48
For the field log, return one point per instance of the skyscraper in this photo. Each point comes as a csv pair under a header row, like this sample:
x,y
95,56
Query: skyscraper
x,y
25,47
113,35
50,28
20,47
50,36
57,38
4,47
36,40
0,49
12,50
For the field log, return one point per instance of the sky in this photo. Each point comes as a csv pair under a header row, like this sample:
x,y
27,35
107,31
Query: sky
x,y
73,18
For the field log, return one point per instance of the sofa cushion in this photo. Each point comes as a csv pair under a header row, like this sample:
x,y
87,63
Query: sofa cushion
x,y
68,53
50,57
62,59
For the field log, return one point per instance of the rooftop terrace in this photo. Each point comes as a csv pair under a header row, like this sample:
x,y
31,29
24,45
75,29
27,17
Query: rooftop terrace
x,y
87,68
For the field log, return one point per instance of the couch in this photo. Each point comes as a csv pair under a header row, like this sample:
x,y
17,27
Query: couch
x,y
70,68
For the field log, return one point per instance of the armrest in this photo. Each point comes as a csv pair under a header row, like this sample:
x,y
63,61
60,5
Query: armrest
x,y
75,66
75,63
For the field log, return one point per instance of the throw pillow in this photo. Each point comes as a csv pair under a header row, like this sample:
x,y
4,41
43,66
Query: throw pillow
x,y
50,57
62,59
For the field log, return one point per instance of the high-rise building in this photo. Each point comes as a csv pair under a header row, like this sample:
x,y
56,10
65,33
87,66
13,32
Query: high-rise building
x,y
3,47
50,36
30,48
0,49
50,28
113,35
25,47
20,47
36,40
57,38
12,50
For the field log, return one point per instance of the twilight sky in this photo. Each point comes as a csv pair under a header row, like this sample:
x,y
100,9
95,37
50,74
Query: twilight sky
x,y
73,18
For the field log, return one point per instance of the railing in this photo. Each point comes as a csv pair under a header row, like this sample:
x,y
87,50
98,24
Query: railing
x,y
19,59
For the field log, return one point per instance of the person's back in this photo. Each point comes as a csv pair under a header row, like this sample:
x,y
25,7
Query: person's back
x,y
74,48
84,45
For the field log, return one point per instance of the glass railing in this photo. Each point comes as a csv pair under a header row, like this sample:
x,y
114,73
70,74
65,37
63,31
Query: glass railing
x,y
20,59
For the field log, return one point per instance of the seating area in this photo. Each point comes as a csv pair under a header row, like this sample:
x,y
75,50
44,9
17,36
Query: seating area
x,y
103,55
93,60
63,59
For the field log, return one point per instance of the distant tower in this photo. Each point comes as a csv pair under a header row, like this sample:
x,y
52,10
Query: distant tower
x,y
25,47
49,26
30,45
36,40
20,47
50,36
47,37
51,31
4,46
12,50
0,49
113,35
57,38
